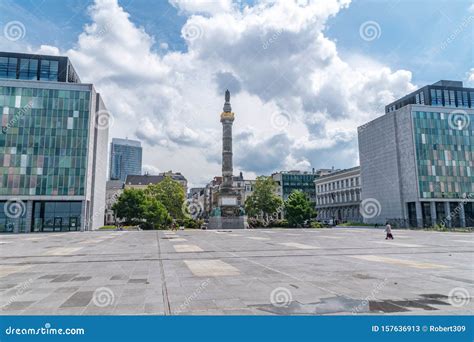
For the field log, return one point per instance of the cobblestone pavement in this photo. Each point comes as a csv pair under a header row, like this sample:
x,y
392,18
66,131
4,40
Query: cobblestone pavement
x,y
249,272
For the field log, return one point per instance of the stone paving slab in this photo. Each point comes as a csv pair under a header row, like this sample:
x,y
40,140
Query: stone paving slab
x,y
244,272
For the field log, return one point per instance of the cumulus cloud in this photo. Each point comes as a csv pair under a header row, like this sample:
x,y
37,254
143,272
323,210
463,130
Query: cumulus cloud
x,y
273,56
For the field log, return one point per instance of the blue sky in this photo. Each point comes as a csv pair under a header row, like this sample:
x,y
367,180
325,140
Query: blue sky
x,y
304,74
410,30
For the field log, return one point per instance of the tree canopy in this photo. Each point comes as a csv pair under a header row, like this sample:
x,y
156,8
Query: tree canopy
x,y
263,200
171,194
154,207
298,208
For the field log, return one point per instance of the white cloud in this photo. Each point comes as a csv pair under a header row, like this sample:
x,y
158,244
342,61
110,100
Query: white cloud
x,y
274,57
202,6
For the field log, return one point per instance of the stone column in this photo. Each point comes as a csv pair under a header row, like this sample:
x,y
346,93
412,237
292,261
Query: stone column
x,y
447,214
29,217
462,215
227,165
433,213
419,214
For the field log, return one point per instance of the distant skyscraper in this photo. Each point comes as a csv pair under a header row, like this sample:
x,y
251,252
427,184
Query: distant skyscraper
x,y
125,158
53,146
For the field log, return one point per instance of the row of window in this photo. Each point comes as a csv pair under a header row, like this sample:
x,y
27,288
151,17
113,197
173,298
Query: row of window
x,y
29,69
335,198
450,98
340,184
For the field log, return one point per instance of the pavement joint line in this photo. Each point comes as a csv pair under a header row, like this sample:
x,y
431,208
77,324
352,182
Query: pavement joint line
x,y
256,256
164,289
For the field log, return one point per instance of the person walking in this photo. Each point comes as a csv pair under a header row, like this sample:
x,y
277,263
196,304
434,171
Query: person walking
x,y
388,230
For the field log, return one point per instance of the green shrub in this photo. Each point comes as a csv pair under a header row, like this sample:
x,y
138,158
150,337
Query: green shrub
x,y
315,224
279,224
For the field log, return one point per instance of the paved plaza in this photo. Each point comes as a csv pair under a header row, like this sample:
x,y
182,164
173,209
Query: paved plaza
x,y
249,272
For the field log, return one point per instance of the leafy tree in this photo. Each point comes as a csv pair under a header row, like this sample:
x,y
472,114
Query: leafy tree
x,y
155,214
129,206
263,200
298,208
171,194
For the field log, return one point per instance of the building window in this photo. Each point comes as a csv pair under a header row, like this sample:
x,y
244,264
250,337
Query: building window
x,y
49,70
28,69
8,67
422,98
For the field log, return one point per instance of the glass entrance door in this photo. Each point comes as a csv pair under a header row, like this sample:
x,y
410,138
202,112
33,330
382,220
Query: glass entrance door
x,y
73,223
58,223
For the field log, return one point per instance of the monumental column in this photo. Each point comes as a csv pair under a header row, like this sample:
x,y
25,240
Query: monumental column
x,y
229,214
227,119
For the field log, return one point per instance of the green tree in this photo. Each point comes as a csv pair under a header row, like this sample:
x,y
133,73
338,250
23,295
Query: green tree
x,y
129,206
155,214
263,200
171,194
298,208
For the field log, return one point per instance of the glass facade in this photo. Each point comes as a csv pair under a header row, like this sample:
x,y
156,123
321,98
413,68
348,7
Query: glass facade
x,y
43,143
29,68
444,156
125,159
51,216
302,182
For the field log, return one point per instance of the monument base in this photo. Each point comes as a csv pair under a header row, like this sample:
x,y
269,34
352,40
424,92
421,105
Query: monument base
x,y
222,222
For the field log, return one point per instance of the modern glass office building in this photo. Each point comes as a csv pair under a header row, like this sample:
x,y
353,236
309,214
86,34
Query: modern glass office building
x,y
125,158
417,160
52,149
